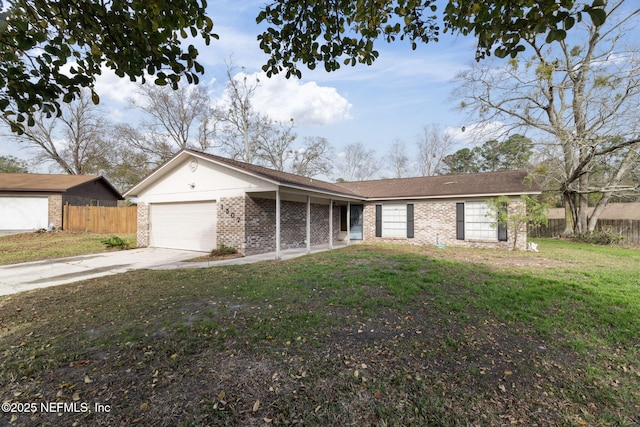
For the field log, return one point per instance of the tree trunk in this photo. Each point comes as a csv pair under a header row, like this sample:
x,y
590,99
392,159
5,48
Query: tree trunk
x,y
593,221
569,213
583,203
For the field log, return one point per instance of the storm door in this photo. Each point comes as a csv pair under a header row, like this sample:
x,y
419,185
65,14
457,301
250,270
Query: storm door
x,y
355,222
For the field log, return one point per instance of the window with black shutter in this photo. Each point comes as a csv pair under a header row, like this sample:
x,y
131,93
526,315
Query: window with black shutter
x,y
460,221
502,226
378,220
410,220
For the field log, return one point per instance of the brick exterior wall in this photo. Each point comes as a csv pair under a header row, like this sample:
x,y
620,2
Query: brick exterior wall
x,y
435,222
260,227
249,225
319,224
336,222
143,238
231,223
55,210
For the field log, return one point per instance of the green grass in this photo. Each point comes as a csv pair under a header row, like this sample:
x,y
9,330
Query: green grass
x,y
27,247
366,335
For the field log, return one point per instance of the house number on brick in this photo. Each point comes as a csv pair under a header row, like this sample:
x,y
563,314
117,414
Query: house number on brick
x,y
231,214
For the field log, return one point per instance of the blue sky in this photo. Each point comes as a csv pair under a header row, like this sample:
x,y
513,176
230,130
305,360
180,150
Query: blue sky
x,y
393,99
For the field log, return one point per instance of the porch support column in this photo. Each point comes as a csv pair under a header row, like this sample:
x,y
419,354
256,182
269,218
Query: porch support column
x,y
308,224
348,239
278,223
330,223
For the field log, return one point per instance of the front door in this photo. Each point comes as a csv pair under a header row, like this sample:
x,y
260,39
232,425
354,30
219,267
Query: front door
x,y
355,222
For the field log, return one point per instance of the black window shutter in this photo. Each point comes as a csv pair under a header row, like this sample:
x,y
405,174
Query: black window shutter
x,y
460,221
502,226
378,220
410,220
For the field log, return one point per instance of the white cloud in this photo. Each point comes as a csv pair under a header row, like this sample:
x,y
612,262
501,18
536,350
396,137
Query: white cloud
x,y
110,87
307,103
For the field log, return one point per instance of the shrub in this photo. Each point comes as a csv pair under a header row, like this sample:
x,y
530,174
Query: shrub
x,y
116,242
224,250
606,236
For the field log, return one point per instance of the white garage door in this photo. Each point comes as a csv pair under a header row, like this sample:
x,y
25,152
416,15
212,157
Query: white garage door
x,y
190,226
23,213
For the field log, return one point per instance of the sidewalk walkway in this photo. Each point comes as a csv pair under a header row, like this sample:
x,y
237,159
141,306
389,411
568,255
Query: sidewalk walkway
x,y
22,277
269,256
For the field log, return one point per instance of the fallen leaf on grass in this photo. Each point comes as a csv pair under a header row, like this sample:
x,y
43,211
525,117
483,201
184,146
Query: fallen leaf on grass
x,y
256,405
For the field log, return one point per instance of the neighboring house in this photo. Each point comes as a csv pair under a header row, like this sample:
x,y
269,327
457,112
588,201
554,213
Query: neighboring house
x,y
33,201
197,201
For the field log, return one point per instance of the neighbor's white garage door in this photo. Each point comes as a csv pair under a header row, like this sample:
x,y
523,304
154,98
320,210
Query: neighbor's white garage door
x,y
23,213
190,226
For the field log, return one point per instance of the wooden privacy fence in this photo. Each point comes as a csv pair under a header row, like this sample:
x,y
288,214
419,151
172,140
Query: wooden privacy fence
x,y
629,229
100,219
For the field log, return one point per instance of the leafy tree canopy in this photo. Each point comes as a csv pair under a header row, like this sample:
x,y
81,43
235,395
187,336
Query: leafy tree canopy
x,y
510,154
50,50
10,164
316,32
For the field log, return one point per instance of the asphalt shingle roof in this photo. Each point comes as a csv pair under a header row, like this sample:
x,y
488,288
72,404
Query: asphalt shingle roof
x,y
47,183
490,183
41,182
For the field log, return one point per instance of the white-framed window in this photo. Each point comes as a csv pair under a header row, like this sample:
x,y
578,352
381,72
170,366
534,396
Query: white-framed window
x,y
394,220
479,221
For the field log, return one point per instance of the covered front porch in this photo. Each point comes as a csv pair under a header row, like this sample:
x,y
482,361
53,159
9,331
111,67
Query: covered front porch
x,y
304,220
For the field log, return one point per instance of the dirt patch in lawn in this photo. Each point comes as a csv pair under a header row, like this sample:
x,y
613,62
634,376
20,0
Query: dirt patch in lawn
x,y
210,257
502,260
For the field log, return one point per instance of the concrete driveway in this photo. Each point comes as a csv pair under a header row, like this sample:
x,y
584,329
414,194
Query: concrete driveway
x,y
16,278
40,274
10,232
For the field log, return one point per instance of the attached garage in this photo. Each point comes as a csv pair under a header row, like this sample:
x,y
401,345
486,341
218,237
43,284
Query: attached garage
x,y
24,213
186,225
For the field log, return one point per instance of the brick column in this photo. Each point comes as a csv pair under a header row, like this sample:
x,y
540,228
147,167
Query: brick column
x,y
143,225
55,211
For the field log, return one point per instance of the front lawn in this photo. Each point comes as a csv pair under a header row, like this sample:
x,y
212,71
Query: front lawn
x,y
366,335
25,247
